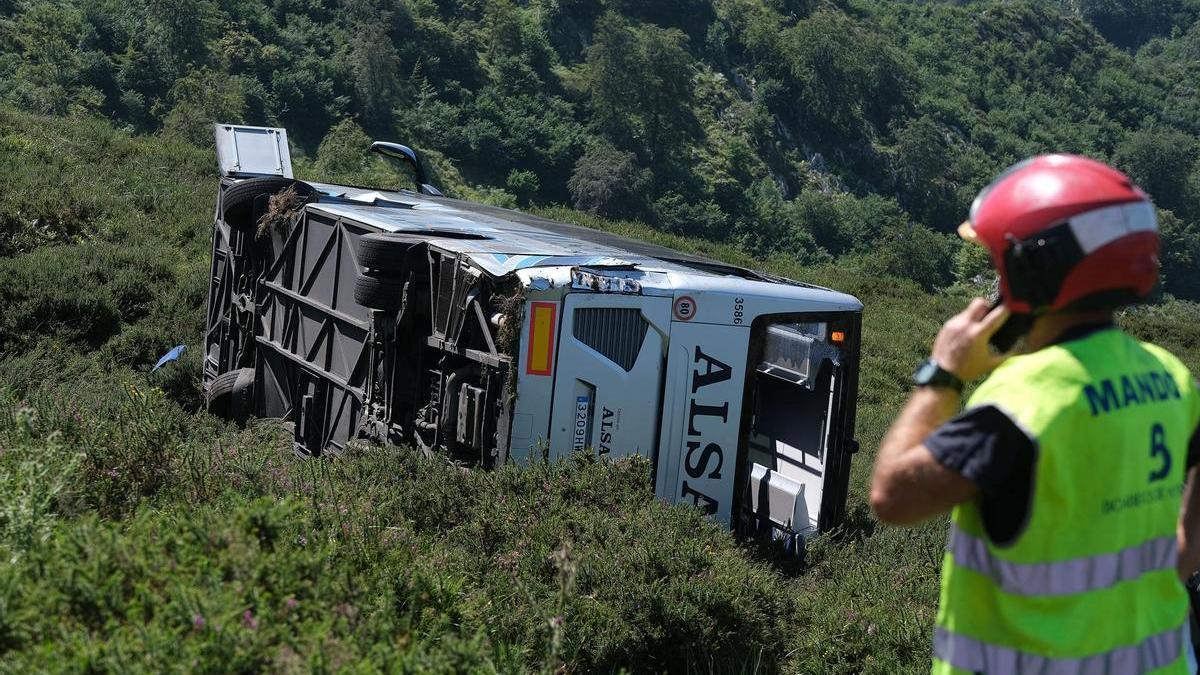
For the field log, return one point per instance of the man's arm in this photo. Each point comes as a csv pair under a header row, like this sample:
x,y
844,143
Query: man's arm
x,y
909,484
1188,531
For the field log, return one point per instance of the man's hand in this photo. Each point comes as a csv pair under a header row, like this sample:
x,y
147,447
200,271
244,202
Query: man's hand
x,y
909,484
961,346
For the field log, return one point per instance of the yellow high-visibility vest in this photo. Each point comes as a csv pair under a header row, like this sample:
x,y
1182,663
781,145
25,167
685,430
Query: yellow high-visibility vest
x,y
1089,584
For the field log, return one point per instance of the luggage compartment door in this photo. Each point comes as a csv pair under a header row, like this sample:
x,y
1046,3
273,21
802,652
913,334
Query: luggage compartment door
x,y
244,151
608,376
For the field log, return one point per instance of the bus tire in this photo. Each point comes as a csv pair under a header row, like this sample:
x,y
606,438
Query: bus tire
x,y
385,251
379,291
231,395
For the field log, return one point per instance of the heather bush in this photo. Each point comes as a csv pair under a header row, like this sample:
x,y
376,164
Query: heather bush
x,y
249,553
35,469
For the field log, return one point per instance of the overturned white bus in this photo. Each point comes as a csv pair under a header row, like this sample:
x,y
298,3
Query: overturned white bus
x,y
489,335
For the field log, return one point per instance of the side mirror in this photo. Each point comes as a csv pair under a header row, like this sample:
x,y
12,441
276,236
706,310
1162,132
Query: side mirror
x,y
406,154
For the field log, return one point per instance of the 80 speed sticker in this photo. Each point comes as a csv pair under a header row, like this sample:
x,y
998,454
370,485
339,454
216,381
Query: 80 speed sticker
x,y
684,309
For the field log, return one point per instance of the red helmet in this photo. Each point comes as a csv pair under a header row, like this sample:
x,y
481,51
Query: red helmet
x,y
1066,231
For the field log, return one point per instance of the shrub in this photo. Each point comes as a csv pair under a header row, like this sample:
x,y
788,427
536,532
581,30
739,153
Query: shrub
x,y
344,150
973,265
913,252
633,583
54,293
383,557
1174,324
128,434
522,184
697,219
35,468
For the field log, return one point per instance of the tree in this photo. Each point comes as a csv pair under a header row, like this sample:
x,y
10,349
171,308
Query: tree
x,y
925,163
200,99
183,29
842,75
1129,23
973,264
608,182
691,16
523,185
639,85
518,57
373,61
771,223
52,75
1180,256
675,213
845,223
1160,161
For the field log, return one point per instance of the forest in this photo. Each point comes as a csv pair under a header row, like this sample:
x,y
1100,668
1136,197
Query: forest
x,y
813,128
832,142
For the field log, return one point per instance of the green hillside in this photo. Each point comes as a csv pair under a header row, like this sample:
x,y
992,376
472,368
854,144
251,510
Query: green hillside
x,y
815,128
833,143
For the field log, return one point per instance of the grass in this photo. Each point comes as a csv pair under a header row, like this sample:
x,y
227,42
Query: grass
x,y
140,535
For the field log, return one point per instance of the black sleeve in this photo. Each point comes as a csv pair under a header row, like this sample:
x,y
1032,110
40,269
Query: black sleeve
x,y
984,445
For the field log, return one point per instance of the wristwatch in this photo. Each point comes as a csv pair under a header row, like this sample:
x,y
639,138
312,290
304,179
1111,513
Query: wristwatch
x,y
930,374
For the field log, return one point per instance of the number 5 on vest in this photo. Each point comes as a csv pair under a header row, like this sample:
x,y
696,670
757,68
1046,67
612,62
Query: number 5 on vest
x,y
1158,447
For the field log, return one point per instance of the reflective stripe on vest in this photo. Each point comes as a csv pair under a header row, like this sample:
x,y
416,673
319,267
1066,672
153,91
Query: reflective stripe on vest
x,y
967,653
1076,575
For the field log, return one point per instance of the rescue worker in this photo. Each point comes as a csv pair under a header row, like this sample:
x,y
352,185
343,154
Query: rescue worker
x,y
1071,527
